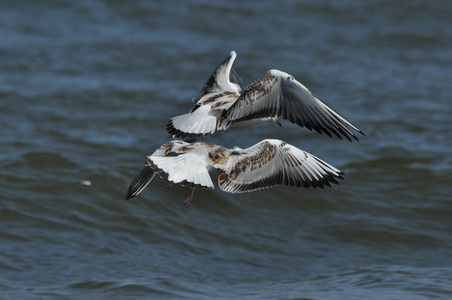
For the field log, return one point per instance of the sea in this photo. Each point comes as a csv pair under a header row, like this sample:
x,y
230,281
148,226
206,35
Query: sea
x,y
86,90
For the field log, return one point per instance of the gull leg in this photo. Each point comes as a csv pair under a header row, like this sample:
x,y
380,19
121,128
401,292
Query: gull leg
x,y
170,185
187,202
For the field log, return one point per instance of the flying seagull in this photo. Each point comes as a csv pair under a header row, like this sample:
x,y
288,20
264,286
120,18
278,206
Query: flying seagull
x,y
266,164
222,104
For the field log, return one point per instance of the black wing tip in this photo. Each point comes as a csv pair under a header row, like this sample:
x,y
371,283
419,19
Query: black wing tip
x,y
329,131
140,182
129,195
326,181
133,189
354,136
131,192
348,136
335,134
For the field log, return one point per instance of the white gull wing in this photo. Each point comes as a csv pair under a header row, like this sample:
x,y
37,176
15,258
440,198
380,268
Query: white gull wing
x,y
274,162
278,94
223,79
147,174
190,168
219,92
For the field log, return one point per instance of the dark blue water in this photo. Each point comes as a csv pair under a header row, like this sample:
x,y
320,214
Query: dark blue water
x,y
86,88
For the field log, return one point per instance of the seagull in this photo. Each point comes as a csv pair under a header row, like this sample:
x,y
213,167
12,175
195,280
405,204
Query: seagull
x,y
268,163
222,103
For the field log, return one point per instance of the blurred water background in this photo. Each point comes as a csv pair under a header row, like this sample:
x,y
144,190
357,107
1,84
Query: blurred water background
x,y
86,88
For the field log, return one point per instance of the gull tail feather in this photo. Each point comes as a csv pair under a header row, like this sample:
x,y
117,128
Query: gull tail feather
x,y
191,126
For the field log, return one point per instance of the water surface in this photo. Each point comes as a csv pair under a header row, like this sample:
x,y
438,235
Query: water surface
x,y
87,87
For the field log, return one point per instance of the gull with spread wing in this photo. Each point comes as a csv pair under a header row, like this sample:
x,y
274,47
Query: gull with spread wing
x,y
222,104
266,164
